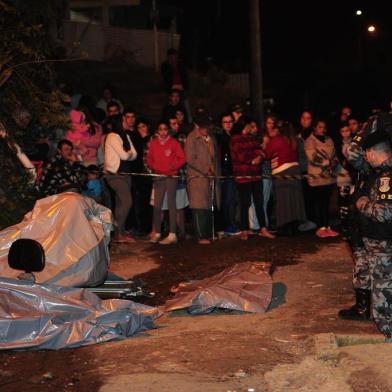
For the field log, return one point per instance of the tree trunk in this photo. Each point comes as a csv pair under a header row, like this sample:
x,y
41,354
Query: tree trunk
x,y
256,79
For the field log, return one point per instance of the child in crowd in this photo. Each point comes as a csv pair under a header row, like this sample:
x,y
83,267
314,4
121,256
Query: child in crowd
x,y
94,184
165,156
346,175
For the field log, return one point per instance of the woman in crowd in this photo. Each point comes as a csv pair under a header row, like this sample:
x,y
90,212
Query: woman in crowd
x,y
320,152
92,139
108,95
78,132
118,152
269,125
281,149
165,156
143,184
346,175
247,156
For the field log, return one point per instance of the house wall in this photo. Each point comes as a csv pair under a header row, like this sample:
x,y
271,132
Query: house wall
x,y
105,43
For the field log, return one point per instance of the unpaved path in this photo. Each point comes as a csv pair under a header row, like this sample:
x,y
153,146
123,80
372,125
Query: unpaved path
x,y
269,352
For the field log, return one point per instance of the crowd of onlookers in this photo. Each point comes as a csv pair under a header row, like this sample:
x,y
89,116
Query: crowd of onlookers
x,y
191,173
227,177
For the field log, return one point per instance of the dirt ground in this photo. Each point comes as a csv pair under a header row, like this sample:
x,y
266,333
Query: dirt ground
x,y
274,351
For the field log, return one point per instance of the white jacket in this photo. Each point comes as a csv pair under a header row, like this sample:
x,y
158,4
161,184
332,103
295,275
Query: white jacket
x,y
114,152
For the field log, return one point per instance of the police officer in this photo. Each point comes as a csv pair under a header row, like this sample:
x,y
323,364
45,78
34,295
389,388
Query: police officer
x,y
374,203
361,273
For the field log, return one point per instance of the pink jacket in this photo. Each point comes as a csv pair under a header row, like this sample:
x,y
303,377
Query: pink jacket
x,y
84,143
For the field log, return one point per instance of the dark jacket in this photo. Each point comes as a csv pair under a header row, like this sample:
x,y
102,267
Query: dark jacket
x,y
167,72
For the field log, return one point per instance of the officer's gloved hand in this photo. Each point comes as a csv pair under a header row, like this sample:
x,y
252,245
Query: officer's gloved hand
x,y
360,191
368,127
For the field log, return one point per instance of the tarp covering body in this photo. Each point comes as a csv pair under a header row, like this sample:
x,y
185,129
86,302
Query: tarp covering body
x,y
34,316
74,231
244,287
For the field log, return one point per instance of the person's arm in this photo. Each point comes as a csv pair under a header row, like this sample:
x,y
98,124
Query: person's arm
x,y
25,161
150,157
116,144
47,185
179,156
378,212
381,209
132,151
316,157
191,157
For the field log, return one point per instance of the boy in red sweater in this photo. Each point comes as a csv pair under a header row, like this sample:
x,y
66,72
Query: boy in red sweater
x,y
165,156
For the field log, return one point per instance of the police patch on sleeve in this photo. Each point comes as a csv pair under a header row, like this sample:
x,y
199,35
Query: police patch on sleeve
x,y
384,191
384,184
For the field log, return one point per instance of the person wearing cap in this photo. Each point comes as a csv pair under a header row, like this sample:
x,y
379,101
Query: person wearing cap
x,y
374,203
202,160
355,153
236,111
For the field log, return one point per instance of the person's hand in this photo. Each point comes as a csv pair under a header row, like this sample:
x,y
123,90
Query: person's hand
x,y
361,202
274,163
257,160
73,157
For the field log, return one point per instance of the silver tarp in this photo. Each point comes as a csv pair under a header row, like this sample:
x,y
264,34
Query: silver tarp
x,y
245,287
74,231
34,316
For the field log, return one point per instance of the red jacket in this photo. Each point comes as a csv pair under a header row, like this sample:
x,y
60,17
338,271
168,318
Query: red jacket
x,y
279,147
245,148
165,157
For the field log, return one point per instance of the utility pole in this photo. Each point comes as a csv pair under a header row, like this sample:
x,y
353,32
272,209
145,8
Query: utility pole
x,y
256,75
155,35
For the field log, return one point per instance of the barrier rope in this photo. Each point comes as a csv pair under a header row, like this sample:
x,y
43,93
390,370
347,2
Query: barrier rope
x,y
258,177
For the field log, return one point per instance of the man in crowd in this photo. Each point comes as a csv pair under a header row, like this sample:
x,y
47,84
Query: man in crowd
x,y
113,109
201,158
64,172
174,104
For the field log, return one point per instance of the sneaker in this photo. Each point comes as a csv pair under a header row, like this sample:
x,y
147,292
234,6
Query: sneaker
x,y
307,226
322,232
155,238
266,234
244,235
170,239
232,230
332,233
123,238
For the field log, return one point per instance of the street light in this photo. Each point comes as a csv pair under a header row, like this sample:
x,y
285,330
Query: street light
x,y
371,29
358,12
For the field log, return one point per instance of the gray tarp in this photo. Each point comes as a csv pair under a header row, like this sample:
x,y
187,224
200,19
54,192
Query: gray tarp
x,y
36,316
74,231
245,287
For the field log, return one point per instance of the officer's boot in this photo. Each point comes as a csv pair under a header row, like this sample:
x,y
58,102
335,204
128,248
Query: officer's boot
x,y
360,310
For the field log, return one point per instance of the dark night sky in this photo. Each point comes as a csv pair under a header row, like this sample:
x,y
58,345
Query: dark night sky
x,y
311,50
